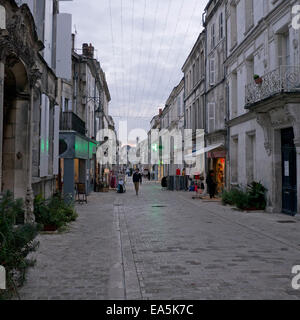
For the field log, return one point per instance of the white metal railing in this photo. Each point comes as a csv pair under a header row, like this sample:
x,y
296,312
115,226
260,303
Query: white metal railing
x,y
282,79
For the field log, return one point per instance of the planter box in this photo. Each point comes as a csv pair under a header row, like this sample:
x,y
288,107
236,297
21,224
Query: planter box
x,y
258,80
49,227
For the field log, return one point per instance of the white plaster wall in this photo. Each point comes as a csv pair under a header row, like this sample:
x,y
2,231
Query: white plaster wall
x,y
263,163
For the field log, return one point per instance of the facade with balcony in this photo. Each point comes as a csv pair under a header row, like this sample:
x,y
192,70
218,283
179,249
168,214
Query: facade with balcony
x,y
82,106
263,67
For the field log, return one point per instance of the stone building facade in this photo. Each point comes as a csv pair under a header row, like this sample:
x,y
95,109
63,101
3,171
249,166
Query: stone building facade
x,y
215,99
194,104
264,113
27,109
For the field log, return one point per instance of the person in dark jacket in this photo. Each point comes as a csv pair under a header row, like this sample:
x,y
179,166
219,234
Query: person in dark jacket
x,y
211,184
137,179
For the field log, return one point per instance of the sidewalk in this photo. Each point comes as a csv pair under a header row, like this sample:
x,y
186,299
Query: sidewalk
x,y
279,226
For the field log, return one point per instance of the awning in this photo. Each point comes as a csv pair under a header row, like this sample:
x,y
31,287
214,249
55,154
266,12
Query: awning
x,y
204,150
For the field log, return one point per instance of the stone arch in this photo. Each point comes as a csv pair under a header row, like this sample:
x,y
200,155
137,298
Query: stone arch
x,y
15,126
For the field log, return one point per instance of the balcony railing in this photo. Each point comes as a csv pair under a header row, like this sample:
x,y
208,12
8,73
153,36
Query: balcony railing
x,y
70,121
282,79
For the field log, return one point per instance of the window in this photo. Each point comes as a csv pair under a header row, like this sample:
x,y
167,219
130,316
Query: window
x,y
197,70
221,26
202,65
194,75
212,71
234,159
249,19
234,94
194,117
284,49
200,114
233,24
213,38
211,116
250,69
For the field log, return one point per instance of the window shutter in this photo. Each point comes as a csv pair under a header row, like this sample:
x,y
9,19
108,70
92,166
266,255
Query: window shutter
x,y
211,117
56,140
44,138
212,71
221,27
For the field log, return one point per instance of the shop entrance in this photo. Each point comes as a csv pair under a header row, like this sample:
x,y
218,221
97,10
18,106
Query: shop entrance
x,y
217,163
289,172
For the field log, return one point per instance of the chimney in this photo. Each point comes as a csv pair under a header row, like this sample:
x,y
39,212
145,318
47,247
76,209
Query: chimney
x,y
91,51
160,112
85,49
88,50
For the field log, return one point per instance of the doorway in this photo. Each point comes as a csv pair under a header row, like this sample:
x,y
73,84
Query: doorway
x,y
289,172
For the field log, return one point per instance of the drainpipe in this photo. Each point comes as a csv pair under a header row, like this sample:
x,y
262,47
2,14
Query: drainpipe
x,y
205,88
227,163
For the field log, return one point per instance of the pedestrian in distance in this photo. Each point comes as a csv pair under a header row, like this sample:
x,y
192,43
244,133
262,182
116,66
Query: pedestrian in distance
x,y
137,179
211,184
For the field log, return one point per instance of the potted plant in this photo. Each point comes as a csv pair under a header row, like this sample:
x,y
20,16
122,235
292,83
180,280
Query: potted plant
x,y
257,79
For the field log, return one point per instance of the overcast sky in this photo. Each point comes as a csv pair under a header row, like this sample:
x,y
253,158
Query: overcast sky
x,y
141,45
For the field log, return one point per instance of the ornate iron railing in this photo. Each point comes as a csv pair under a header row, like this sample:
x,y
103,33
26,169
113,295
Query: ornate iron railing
x,y
70,121
282,79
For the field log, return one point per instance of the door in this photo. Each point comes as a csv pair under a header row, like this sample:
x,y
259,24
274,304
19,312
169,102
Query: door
x,y
289,172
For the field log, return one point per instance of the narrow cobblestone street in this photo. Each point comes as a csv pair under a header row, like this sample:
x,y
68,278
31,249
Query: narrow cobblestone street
x,y
165,245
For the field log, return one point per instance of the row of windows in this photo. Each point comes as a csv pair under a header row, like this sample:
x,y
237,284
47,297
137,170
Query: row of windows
x,y
195,74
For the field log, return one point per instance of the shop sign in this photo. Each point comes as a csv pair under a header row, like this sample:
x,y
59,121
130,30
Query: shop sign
x,y
216,154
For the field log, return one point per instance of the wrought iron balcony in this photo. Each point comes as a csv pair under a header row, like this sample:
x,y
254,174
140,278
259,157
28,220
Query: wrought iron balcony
x,y
280,80
70,121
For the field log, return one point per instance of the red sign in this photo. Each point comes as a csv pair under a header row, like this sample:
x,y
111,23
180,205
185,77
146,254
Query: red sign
x,y
177,172
216,154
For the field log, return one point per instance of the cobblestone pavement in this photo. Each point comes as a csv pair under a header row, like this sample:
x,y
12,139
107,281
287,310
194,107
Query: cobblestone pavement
x,y
165,245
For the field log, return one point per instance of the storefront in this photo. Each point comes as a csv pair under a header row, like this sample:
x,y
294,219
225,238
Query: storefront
x,y
77,162
216,162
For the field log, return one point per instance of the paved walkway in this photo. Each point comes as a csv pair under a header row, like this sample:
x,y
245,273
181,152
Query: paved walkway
x,y
165,245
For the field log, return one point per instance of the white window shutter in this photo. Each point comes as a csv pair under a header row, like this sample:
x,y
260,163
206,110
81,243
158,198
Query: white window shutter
x,y
212,71
56,140
211,117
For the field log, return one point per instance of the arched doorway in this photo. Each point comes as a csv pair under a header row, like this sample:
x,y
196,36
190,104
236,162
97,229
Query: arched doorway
x,y
15,127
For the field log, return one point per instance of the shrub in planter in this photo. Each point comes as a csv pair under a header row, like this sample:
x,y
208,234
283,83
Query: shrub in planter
x,y
53,213
231,197
257,195
253,198
16,242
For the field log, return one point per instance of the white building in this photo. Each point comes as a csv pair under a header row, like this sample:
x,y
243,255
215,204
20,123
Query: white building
x,y
194,105
215,101
264,116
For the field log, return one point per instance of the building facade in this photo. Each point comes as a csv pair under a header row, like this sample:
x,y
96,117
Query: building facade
x,y
215,93
264,99
194,105
28,109
83,110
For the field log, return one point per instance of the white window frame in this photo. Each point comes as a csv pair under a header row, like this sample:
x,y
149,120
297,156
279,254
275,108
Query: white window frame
x,y
210,106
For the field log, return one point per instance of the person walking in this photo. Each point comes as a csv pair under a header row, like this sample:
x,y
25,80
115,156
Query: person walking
x,y
211,184
137,179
